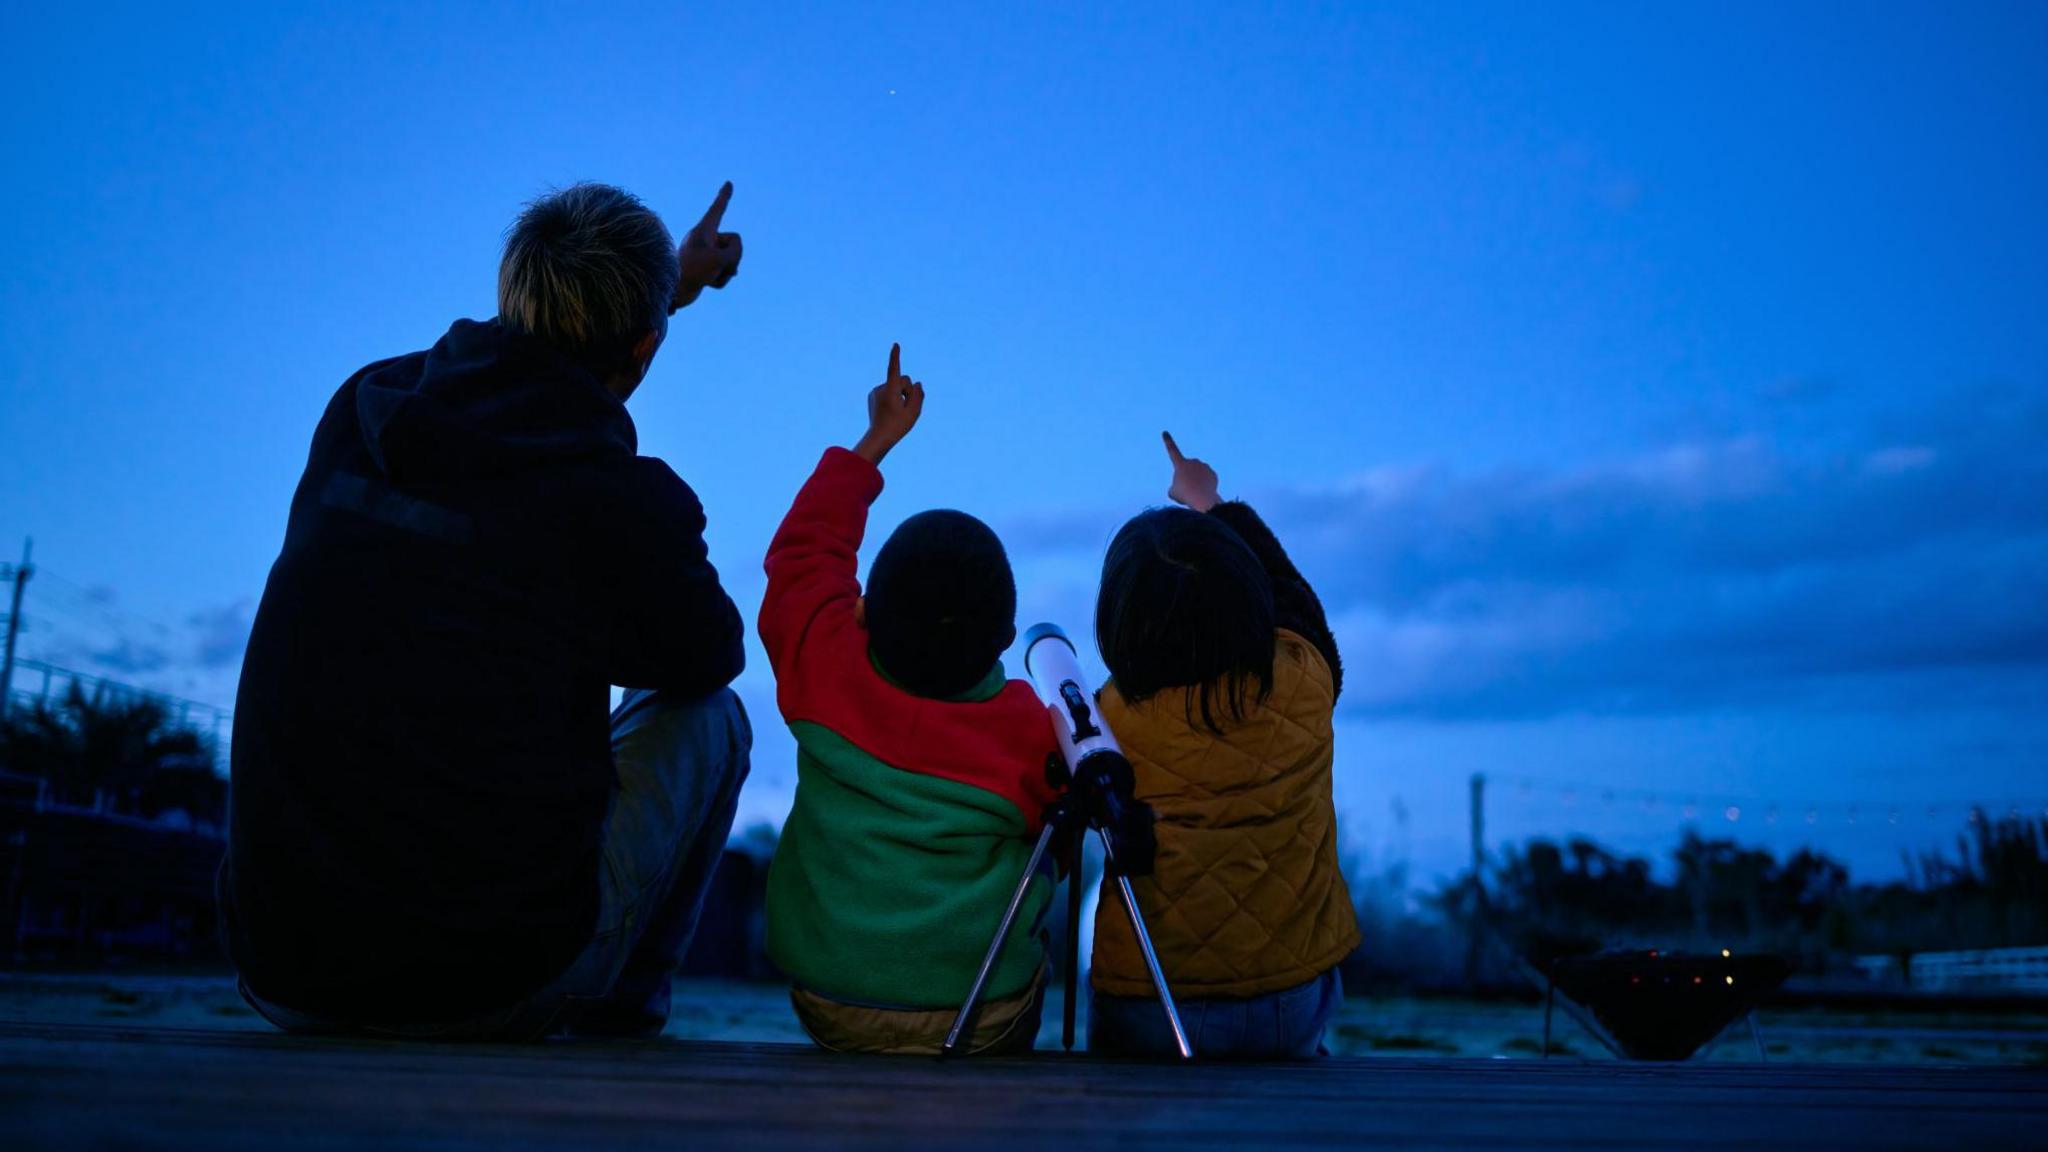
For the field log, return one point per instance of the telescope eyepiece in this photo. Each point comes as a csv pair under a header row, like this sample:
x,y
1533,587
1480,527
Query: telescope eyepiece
x,y
1078,711
1103,787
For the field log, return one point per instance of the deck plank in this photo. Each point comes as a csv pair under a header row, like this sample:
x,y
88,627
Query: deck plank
x,y
66,1086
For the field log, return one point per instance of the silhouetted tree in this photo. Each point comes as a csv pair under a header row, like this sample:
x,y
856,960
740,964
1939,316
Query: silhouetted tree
x,y
124,752
1992,894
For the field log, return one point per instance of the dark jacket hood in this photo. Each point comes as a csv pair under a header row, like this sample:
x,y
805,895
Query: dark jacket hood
x,y
483,400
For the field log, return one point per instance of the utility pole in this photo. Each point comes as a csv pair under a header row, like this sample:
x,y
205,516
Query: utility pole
x,y
1478,893
20,575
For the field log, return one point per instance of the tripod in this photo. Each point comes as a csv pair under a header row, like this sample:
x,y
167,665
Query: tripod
x,y
1095,795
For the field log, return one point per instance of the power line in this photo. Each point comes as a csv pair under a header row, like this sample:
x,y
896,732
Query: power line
x,y
96,600
101,632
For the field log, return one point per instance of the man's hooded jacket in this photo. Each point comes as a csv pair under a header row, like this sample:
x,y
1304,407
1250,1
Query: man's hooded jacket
x,y
421,751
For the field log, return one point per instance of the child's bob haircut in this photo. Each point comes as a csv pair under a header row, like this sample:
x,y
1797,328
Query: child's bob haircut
x,y
941,603
1186,604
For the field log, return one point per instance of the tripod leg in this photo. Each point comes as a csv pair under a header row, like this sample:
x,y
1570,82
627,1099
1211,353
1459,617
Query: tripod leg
x,y
1130,898
1549,1003
995,946
1073,972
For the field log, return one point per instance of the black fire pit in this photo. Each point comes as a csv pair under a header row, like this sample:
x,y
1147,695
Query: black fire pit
x,y
1663,1005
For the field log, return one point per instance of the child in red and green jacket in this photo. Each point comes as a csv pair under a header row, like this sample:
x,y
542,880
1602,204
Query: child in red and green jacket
x,y
920,767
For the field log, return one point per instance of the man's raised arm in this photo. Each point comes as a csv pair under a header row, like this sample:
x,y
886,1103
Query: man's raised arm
x,y
707,257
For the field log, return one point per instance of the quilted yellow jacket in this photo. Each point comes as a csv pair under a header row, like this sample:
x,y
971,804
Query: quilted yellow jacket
x,y
1245,896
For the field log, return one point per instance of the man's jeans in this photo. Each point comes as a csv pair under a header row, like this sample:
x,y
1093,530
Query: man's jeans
x,y
1283,1025
680,764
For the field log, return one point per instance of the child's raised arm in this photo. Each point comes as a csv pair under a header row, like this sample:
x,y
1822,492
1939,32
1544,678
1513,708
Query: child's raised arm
x,y
813,562
1295,605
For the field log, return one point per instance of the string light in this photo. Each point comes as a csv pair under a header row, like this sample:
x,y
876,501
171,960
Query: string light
x,y
1691,808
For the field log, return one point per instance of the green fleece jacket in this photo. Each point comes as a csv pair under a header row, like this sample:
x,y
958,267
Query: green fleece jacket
x,y
914,817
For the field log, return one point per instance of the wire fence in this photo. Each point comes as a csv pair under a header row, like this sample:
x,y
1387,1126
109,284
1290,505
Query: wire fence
x,y
1878,838
39,684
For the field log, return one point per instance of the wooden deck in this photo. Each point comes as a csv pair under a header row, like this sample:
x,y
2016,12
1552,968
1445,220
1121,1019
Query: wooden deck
x,y
97,1086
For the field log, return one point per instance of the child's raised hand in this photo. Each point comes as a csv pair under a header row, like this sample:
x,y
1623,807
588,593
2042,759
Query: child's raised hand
x,y
1194,482
893,408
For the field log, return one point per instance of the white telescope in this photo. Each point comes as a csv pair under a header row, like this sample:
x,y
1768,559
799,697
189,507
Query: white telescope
x,y
1055,671
1095,793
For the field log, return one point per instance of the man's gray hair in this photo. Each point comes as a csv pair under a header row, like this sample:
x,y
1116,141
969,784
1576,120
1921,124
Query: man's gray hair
x,y
589,269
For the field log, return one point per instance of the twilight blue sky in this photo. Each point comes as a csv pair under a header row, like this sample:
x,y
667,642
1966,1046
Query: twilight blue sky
x,y
1659,398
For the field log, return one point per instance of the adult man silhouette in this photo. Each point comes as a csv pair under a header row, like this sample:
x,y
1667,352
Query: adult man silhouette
x,y
437,831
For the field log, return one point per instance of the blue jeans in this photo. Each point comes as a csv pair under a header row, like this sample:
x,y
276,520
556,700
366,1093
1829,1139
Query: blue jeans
x,y
1283,1025
679,764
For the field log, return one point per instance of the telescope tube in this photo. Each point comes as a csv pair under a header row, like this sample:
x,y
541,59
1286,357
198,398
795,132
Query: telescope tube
x,y
1054,667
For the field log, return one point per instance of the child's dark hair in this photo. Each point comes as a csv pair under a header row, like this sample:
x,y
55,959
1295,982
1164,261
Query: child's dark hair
x,y
1186,604
941,603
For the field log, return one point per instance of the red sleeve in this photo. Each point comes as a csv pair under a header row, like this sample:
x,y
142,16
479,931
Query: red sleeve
x,y
813,562
823,674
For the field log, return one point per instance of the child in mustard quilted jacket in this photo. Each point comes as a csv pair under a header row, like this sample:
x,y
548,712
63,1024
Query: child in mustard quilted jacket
x,y
1223,689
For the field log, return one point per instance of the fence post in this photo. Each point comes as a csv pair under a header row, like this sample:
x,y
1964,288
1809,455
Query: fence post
x,y
1477,896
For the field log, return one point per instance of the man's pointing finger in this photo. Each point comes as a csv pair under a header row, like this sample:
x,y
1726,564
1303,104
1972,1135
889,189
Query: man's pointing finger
x,y
716,212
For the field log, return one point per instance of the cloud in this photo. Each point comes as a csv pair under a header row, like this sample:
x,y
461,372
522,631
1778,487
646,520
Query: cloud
x,y
87,631
1902,565
130,658
220,635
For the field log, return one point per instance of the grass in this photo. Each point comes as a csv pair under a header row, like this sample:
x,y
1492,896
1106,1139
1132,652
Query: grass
x,y
1392,1026
1406,1042
1535,1048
